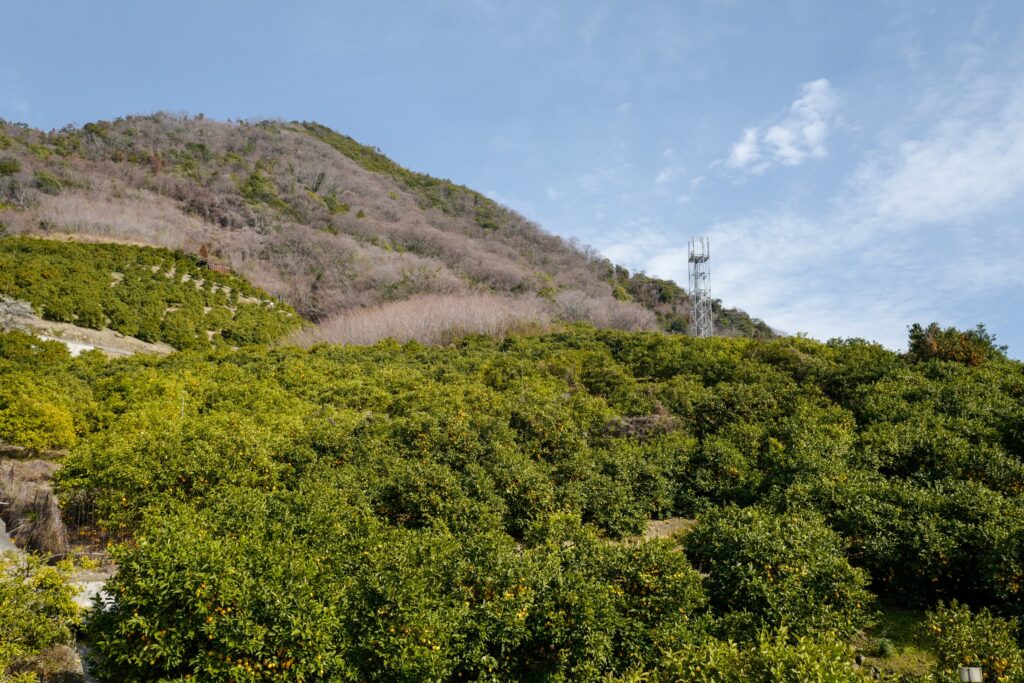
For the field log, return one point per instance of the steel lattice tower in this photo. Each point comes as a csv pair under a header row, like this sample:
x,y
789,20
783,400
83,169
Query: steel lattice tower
x,y
701,322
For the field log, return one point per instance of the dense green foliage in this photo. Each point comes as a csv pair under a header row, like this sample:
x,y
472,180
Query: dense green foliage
x,y
768,659
38,410
36,613
980,639
404,513
765,570
152,294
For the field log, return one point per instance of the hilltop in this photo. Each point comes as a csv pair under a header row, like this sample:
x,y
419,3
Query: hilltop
x,y
334,228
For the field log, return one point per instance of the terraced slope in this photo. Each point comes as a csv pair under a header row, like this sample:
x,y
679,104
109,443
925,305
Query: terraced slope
x,y
155,295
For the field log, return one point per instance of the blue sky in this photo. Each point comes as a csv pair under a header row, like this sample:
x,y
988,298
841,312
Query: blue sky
x,y
859,166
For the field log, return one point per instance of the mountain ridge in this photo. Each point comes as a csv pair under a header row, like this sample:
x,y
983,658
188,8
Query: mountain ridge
x,y
329,225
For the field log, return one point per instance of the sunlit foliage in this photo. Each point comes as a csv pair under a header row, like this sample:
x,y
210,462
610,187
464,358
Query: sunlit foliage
x,y
407,513
152,294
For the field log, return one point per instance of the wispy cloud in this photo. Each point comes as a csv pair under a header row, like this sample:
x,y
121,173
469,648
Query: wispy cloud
x,y
746,153
606,177
800,134
964,166
666,174
926,225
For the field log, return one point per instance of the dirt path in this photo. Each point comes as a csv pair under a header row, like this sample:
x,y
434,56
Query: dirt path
x,y
670,528
18,315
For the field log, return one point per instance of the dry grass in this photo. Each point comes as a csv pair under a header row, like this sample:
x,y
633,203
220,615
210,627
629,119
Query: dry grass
x,y
575,306
431,319
30,509
671,528
140,217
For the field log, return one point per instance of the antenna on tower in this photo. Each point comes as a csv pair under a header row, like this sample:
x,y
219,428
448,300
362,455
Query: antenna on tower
x,y
701,323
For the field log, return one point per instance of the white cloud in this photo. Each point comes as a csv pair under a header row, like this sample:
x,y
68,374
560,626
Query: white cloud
x,y
798,274
624,108
669,177
927,228
798,136
964,166
746,151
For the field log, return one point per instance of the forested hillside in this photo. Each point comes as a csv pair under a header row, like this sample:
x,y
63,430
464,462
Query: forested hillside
x,y
333,227
476,511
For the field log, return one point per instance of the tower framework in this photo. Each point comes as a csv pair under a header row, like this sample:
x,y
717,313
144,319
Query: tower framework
x,y
701,322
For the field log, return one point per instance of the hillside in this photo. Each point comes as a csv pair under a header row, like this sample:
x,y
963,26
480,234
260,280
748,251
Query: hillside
x,y
154,295
475,511
332,227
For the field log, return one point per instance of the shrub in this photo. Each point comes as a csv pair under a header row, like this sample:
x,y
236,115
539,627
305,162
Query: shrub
x,y
368,602
149,458
21,349
972,347
430,319
9,166
768,659
36,612
770,571
980,639
46,183
180,328
411,512
333,205
34,416
924,542
191,604
883,647
258,188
